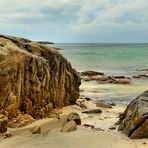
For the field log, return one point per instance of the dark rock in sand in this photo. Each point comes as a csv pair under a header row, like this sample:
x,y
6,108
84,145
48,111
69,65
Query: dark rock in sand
x,y
92,111
134,120
141,77
3,123
75,117
89,125
32,76
69,126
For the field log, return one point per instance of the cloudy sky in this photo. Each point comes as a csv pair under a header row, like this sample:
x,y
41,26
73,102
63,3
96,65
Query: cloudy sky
x,y
76,20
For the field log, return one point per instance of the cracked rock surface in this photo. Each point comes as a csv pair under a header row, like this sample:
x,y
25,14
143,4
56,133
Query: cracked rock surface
x,y
34,78
134,120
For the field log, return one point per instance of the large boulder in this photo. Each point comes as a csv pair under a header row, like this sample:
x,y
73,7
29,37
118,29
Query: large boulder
x,y
134,120
34,78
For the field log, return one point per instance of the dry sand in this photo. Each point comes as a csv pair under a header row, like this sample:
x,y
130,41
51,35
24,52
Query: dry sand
x,y
83,137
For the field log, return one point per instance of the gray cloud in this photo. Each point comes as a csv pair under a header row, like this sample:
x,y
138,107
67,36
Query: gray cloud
x,y
76,20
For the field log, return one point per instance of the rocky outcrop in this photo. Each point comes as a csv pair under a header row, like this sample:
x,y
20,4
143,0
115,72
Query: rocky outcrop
x,y
91,73
134,120
34,78
101,78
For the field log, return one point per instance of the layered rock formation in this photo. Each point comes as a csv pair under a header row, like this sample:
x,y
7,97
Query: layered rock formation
x,y
34,78
101,78
134,120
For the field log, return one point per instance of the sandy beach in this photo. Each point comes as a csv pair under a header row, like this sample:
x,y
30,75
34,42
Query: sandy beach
x,y
84,137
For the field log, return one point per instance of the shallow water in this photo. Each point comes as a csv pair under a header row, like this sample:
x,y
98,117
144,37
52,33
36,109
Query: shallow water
x,y
112,59
118,93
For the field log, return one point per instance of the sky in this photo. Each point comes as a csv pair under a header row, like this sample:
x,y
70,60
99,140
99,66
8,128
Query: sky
x,y
76,21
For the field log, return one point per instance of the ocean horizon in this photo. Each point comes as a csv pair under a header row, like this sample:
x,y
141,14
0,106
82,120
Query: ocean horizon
x,y
111,58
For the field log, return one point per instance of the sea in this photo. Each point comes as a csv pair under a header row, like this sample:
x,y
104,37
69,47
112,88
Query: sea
x,y
115,59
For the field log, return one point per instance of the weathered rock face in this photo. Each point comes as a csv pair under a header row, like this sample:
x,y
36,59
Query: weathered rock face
x,y
134,120
34,78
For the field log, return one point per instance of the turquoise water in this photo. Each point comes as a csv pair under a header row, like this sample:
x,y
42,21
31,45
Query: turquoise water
x,y
112,59
119,59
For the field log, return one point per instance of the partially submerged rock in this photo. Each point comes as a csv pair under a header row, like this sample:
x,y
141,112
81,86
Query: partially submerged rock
x,y
69,126
75,117
134,120
91,73
34,78
142,76
102,78
114,80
